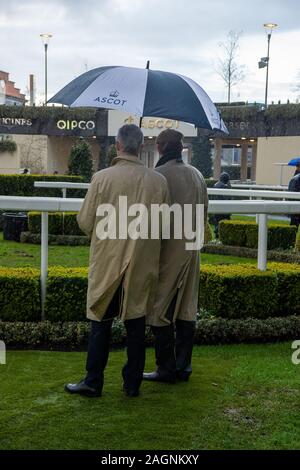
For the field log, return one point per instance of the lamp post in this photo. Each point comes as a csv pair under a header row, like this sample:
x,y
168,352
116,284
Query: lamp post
x,y
264,62
46,38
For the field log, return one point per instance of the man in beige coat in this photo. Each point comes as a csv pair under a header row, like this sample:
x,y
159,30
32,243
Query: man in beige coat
x,y
177,295
123,271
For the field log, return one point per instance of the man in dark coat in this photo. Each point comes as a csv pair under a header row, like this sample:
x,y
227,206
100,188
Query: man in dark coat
x,y
294,186
176,301
223,183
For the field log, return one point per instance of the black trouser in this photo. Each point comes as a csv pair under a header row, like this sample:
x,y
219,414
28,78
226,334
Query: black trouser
x,y
98,349
185,333
173,358
295,220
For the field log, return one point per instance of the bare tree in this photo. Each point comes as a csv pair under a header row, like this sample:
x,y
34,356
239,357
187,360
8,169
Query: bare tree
x,y
228,68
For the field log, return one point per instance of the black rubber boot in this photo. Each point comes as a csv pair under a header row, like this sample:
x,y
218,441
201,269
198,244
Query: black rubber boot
x,y
133,369
98,351
185,333
165,355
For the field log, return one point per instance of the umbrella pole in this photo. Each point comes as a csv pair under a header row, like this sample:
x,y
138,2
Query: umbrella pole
x,y
147,68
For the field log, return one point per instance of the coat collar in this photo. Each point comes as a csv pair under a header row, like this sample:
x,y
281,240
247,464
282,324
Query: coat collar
x,y
129,158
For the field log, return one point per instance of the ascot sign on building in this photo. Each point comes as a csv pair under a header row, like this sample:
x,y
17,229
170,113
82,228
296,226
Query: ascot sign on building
x,y
151,126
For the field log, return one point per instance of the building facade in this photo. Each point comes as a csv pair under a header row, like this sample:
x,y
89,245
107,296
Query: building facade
x,y
9,94
260,143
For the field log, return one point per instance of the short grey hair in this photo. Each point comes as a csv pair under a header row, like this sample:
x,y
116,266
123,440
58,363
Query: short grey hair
x,y
131,138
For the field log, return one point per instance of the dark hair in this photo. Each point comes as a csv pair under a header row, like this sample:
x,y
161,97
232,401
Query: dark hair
x,y
170,140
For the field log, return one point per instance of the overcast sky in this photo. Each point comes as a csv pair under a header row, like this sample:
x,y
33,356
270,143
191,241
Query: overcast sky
x,y
176,35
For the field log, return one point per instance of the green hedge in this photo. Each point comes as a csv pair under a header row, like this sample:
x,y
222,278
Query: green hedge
x,y
23,185
59,223
228,291
238,291
66,294
241,291
65,240
240,233
19,294
243,252
67,336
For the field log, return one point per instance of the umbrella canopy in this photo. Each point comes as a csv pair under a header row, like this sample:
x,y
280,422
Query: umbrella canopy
x,y
143,92
294,161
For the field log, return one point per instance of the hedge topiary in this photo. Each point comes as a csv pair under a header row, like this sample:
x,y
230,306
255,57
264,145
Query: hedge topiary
x,y
19,294
59,223
288,277
55,222
63,240
238,291
66,294
241,251
68,336
228,291
23,185
243,233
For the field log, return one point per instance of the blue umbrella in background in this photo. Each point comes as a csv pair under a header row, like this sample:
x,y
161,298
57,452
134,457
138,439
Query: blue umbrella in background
x,y
294,162
143,92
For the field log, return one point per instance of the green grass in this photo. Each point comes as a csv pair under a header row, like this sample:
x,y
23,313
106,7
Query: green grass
x,y
239,397
13,254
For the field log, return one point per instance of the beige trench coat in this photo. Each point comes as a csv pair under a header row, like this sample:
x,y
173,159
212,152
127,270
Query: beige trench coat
x,y
179,268
134,263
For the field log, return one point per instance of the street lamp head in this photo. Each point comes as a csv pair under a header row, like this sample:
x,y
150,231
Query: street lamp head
x,y
46,37
269,27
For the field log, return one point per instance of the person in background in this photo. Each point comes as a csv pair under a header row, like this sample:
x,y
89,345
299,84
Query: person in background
x,y
123,270
223,183
176,301
297,171
25,171
294,186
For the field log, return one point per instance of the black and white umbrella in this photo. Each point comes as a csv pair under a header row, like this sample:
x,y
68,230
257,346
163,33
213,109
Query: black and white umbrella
x,y
143,92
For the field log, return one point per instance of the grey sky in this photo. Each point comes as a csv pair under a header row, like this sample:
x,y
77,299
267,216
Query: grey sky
x,y
176,35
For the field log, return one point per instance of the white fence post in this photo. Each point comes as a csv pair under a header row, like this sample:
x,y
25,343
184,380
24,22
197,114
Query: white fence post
x,y
44,260
262,242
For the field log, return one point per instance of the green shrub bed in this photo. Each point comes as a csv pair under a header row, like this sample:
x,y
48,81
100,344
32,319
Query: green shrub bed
x,y
226,291
19,294
23,185
66,294
238,233
242,291
58,223
67,336
242,251
67,240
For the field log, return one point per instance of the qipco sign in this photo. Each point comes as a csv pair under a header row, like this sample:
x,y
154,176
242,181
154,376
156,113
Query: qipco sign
x,y
73,125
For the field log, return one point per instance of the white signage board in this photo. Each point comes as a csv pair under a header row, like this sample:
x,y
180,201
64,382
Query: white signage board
x,y
151,126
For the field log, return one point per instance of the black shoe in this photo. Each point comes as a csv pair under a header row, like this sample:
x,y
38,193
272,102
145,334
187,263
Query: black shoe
x,y
156,377
82,389
183,376
131,393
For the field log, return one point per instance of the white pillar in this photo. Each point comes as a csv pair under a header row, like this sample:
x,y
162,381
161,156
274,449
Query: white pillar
x,y
64,192
262,242
44,260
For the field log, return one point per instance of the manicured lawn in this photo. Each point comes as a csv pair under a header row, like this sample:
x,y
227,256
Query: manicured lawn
x,y
15,254
239,397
